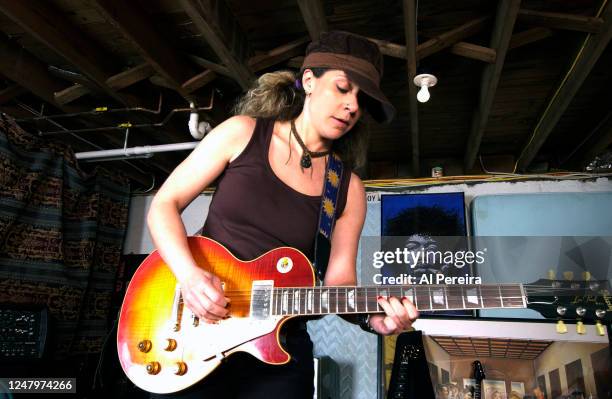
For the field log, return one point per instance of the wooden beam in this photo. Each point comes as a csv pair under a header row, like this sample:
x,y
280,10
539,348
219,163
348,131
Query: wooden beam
x,y
51,27
198,81
313,14
70,94
137,27
278,54
449,38
27,71
390,49
502,32
214,21
557,20
204,63
410,16
529,36
581,67
11,92
130,76
474,52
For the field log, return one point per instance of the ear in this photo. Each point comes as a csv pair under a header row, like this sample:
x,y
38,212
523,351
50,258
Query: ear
x,y
308,80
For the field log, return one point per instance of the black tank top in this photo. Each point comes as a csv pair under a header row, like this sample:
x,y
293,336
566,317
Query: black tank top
x,y
253,211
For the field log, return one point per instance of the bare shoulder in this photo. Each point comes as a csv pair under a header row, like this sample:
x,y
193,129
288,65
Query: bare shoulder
x,y
356,188
356,197
233,134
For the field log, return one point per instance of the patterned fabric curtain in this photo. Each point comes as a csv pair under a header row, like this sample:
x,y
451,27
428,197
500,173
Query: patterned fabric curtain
x,y
61,234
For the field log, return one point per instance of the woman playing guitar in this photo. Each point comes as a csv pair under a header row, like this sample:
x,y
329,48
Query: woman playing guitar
x,y
270,162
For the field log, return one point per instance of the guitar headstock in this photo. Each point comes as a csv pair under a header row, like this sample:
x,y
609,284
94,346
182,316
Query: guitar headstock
x,y
582,301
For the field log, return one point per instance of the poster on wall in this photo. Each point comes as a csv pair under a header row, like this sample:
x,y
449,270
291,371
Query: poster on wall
x,y
427,232
494,389
517,390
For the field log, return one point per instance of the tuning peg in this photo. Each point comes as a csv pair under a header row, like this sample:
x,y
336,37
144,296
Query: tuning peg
x,y
551,274
601,330
568,275
586,276
580,328
561,327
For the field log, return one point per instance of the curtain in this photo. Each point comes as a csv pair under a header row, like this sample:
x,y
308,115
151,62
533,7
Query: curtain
x,y
61,235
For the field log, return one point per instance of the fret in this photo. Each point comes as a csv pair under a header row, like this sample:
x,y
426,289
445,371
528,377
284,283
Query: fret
x,y
316,300
336,299
309,294
324,300
408,292
367,300
290,297
296,301
454,297
285,302
445,297
276,301
512,296
361,300
438,297
491,298
463,297
472,297
423,297
501,297
351,294
429,295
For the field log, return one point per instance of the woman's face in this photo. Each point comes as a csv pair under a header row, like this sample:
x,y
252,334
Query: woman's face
x,y
332,105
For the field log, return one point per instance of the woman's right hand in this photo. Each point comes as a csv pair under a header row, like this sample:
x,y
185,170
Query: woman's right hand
x,y
203,295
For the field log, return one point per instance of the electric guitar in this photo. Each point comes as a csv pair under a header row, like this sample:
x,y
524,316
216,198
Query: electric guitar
x,y
163,347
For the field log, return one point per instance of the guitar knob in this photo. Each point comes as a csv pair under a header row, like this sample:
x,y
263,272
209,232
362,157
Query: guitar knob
x,y
580,311
561,327
568,275
600,313
153,368
180,368
586,276
145,345
170,345
601,330
580,328
551,274
561,310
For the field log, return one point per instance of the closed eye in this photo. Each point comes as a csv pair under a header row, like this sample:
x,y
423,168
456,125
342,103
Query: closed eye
x,y
342,89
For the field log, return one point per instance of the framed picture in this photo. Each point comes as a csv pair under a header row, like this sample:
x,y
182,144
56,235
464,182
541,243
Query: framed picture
x,y
429,230
494,389
517,390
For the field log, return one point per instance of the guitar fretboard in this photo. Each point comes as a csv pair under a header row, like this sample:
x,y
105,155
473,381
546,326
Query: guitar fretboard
x,y
342,300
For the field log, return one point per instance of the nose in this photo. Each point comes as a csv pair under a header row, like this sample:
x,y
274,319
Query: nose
x,y
351,104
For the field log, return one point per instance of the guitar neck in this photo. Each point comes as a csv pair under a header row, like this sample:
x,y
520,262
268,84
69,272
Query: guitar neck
x,y
304,301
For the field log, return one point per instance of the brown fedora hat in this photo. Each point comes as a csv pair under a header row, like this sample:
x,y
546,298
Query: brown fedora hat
x,y
360,59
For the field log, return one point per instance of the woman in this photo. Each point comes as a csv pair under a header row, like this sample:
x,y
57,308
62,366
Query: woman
x,y
271,163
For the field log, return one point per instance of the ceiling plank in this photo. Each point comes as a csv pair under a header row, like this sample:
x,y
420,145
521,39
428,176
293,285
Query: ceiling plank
x,y
390,49
474,52
409,9
557,20
137,27
11,92
587,57
204,63
130,76
70,94
27,71
529,36
279,54
51,27
198,81
500,39
449,38
116,82
313,14
221,31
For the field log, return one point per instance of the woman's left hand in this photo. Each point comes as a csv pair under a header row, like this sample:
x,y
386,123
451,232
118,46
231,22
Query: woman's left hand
x,y
400,314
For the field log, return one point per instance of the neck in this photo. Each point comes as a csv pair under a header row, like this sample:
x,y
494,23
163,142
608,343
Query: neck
x,y
309,135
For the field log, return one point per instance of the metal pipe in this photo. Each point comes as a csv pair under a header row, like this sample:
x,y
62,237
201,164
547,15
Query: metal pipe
x,y
135,152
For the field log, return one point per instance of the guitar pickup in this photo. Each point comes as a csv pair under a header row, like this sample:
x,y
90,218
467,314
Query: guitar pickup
x,y
261,299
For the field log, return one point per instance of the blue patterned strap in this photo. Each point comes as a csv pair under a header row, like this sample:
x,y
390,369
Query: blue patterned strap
x,y
327,214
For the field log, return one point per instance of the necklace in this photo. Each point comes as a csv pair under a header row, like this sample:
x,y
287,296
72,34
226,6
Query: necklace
x,y
305,161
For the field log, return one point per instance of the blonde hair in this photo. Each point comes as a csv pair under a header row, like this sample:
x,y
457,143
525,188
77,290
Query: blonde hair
x,y
276,95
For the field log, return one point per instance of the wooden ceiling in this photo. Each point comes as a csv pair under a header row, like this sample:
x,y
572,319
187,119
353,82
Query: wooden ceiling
x,y
526,80
492,347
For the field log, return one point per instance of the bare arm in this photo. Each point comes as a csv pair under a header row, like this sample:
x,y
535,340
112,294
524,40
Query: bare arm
x,y
201,290
341,269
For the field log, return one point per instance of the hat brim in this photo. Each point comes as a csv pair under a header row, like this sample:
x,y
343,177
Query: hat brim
x,y
376,103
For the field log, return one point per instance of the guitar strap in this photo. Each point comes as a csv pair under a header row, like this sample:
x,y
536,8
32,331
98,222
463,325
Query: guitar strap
x,y
327,214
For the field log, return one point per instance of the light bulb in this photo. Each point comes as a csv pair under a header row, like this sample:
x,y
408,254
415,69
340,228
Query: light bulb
x,y
423,94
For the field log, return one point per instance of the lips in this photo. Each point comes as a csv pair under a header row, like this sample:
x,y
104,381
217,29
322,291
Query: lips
x,y
341,121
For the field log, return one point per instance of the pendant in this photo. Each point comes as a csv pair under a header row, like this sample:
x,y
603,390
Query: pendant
x,y
305,161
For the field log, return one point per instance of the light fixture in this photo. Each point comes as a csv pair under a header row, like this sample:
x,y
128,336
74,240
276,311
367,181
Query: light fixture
x,y
424,81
